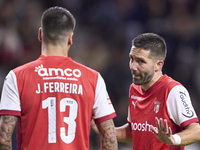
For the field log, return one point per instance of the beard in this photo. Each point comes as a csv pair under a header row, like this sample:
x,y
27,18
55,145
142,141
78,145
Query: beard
x,y
142,78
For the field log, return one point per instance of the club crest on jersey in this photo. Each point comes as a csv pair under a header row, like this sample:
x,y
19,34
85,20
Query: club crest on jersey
x,y
156,106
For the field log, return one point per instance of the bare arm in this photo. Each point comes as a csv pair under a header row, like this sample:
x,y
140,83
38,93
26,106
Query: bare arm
x,y
124,133
108,135
7,126
188,136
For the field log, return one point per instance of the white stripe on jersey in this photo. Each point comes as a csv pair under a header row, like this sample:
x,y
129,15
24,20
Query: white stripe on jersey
x,y
10,95
101,106
179,105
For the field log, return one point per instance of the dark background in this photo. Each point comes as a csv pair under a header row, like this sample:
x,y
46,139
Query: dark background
x,y
103,38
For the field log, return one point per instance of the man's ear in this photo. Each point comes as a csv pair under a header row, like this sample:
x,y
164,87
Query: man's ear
x,y
40,34
70,42
159,65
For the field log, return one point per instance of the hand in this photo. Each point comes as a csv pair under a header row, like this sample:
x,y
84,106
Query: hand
x,y
94,126
163,132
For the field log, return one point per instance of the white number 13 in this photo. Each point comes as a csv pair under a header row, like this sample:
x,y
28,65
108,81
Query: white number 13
x,y
50,103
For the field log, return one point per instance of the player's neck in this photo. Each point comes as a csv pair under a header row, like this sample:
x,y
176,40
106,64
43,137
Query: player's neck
x,y
153,80
54,50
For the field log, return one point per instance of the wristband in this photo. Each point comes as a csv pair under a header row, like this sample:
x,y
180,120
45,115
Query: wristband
x,y
177,139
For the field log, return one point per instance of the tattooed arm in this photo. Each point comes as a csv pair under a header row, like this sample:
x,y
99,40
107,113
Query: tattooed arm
x,y
108,135
7,126
124,133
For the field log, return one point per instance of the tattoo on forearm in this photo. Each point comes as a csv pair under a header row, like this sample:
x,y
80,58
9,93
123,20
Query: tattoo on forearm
x,y
7,126
109,141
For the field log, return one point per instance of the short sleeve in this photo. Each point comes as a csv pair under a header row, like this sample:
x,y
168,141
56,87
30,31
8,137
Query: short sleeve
x,y
103,108
180,108
129,117
10,102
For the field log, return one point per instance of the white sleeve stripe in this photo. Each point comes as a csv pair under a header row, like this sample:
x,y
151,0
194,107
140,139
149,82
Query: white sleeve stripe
x,y
10,95
102,105
15,83
179,105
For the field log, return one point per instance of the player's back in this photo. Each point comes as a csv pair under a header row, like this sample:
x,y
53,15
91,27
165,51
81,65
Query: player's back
x,y
57,97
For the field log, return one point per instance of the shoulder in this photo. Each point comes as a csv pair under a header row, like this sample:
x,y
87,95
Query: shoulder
x,y
84,66
85,69
169,83
179,91
169,79
26,67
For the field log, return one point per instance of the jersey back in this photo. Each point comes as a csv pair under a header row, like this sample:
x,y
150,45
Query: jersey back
x,y
57,96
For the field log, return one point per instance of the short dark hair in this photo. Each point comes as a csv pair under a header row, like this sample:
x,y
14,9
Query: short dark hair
x,y
153,42
57,23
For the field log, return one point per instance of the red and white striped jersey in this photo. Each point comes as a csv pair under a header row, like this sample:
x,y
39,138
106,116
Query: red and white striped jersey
x,y
166,99
55,99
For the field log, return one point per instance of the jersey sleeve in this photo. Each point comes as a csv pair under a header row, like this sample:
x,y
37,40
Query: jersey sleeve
x,y
10,102
103,109
180,108
129,117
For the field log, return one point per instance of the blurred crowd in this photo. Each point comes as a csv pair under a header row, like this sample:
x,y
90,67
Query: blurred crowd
x,y
103,38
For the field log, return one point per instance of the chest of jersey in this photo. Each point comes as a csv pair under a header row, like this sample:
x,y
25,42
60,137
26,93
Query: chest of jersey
x,y
144,109
144,106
